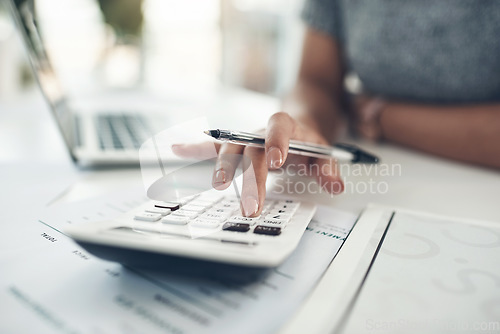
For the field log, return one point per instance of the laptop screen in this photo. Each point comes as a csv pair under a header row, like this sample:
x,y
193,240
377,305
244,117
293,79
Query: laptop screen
x,y
24,17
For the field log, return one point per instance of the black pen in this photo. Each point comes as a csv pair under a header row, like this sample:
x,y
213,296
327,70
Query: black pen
x,y
341,152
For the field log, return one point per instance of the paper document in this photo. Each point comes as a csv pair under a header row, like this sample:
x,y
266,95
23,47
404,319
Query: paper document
x,y
408,272
57,287
432,274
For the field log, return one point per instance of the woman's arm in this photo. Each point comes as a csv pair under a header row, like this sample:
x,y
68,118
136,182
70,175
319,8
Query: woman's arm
x,y
466,133
315,99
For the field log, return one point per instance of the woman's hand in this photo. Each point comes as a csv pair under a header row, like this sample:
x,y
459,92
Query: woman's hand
x,y
257,161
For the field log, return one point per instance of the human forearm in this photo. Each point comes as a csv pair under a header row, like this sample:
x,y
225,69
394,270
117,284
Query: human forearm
x,y
466,133
314,101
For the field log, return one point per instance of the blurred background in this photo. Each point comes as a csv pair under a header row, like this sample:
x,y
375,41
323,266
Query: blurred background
x,y
164,45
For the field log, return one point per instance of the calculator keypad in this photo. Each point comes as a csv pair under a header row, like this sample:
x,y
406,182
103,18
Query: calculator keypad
x,y
160,211
175,220
168,205
236,227
148,217
214,212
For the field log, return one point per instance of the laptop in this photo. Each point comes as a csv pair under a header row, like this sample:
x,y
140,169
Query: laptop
x,y
97,135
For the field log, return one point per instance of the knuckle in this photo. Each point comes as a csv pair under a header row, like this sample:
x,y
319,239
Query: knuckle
x,y
281,126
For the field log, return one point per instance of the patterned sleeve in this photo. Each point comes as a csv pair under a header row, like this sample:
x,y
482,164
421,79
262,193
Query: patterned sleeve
x,y
323,15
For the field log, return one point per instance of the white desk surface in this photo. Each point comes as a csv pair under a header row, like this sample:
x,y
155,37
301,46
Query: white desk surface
x,y
31,149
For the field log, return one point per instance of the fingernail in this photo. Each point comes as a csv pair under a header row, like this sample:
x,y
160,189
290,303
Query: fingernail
x,y
274,158
250,206
219,177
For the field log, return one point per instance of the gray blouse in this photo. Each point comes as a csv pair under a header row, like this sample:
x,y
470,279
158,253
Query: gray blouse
x,y
435,51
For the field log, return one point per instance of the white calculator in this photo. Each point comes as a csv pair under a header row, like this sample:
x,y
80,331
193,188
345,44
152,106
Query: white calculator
x,y
207,227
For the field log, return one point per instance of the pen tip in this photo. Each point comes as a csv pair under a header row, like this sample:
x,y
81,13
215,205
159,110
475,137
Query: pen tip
x,y
212,133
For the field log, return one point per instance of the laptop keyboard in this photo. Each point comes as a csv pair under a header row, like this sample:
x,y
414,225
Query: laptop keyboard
x,y
121,131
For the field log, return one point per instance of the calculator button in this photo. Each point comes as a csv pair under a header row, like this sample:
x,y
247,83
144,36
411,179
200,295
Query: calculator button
x,y
228,207
200,202
220,210
210,198
213,216
267,208
241,219
191,197
159,211
279,211
184,201
205,223
175,220
267,230
286,206
279,217
230,200
272,223
287,201
149,217
236,227
168,205
194,208
184,213
223,212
